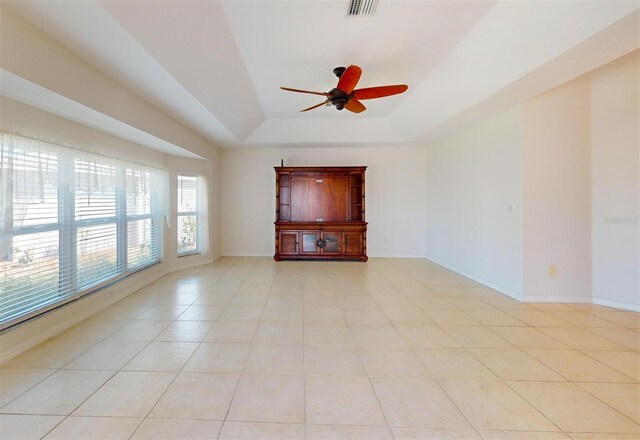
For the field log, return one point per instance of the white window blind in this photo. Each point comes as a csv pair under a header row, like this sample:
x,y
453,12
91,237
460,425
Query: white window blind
x,y
71,222
188,242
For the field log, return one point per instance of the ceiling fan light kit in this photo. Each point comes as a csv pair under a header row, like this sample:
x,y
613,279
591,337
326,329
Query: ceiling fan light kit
x,y
345,94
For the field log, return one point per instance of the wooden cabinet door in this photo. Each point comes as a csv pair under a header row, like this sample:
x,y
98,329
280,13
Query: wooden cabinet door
x,y
352,243
288,243
308,243
333,243
329,198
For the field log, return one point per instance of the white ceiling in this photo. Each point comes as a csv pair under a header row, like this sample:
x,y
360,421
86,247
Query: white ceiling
x,y
217,66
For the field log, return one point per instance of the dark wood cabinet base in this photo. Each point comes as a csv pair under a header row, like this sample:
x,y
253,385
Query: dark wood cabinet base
x,y
321,241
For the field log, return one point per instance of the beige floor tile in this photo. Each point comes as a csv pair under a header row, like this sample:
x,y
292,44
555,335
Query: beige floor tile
x,y
178,429
537,318
278,333
493,318
139,331
218,358
241,314
275,359
201,313
122,311
514,364
453,363
580,338
94,428
23,427
185,331
91,330
262,431
327,334
162,356
434,434
323,315
249,299
476,337
106,355
624,319
337,432
58,394
626,362
426,336
342,401
416,402
51,355
179,299
269,398
365,317
332,360
232,332
583,319
523,435
577,367
573,409
197,396
127,394
621,396
527,337
214,299
162,312
627,338
376,335
450,317
596,436
15,382
492,405
392,361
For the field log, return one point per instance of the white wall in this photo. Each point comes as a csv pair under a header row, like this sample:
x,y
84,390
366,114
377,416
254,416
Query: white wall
x,y
472,178
615,150
395,195
557,194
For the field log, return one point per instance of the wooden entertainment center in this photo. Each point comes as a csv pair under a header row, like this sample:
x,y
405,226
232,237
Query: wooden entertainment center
x,y
320,213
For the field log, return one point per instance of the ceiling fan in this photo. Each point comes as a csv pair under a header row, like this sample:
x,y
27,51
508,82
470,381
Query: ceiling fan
x,y
345,95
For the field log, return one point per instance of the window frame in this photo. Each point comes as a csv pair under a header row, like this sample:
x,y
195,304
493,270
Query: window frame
x,y
196,214
67,226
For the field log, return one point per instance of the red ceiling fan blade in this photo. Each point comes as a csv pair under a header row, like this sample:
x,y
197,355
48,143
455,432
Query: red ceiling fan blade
x,y
355,106
288,89
315,106
349,79
379,92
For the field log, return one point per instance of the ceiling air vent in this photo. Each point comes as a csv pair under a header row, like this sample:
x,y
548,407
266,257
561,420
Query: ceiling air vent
x,y
361,8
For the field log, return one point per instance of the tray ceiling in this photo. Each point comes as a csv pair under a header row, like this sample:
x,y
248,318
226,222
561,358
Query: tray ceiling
x,y
217,66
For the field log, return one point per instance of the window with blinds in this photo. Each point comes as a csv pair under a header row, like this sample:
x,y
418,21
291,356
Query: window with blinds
x,y
187,215
71,222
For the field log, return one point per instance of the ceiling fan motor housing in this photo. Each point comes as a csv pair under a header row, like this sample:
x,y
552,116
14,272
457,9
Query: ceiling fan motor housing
x,y
338,98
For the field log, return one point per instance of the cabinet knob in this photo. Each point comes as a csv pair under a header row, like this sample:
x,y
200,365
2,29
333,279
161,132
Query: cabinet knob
x,y
321,242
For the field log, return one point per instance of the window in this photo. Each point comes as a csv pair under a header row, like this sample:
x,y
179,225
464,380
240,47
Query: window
x,y
188,240
70,222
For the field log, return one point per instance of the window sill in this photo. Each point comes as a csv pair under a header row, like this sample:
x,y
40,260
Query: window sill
x,y
188,254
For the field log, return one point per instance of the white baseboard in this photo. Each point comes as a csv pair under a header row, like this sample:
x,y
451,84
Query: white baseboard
x,y
557,299
496,287
420,256
246,254
617,304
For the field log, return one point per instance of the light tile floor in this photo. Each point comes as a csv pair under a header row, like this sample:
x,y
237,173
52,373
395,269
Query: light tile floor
x,y
247,348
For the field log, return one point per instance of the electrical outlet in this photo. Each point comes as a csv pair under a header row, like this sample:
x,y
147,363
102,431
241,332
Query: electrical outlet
x,y
552,271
